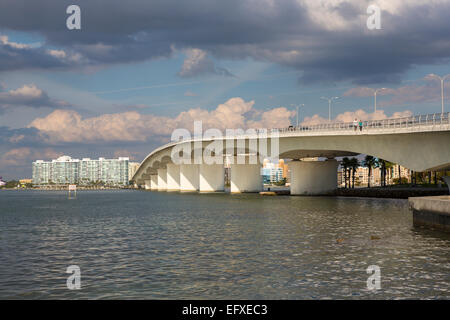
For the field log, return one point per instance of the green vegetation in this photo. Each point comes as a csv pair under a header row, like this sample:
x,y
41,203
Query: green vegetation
x,y
11,184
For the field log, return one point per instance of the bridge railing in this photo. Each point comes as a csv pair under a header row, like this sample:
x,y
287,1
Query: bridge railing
x,y
435,119
414,123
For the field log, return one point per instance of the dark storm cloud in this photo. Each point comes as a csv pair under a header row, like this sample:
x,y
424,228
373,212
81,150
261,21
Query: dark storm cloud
x,y
326,41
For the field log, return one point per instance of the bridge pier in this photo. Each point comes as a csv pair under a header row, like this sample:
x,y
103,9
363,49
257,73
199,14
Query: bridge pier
x,y
189,177
147,184
245,178
154,182
162,179
212,178
313,177
173,177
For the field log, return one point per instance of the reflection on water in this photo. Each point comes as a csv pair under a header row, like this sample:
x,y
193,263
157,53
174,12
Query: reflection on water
x,y
150,245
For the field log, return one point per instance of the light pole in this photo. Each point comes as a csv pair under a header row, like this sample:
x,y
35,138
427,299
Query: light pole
x,y
296,106
329,105
442,87
375,95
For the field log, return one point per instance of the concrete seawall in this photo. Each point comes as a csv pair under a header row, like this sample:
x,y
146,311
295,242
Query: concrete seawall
x,y
431,212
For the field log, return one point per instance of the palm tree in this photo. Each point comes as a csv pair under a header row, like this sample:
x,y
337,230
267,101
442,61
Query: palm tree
x,y
384,165
345,165
389,167
354,164
369,162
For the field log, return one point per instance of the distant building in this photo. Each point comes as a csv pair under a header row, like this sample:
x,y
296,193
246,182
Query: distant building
x,y
132,168
273,172
362,176
2,183
66,170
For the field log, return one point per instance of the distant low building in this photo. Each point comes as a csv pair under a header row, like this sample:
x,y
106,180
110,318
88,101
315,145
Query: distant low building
x,y
65,170
2,183
24,182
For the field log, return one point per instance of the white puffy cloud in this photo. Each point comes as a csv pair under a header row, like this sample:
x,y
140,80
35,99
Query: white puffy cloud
x,y
349,116
198,63
5,41
30,96
69,126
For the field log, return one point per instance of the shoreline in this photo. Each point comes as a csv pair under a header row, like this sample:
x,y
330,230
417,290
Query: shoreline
x,y
374,192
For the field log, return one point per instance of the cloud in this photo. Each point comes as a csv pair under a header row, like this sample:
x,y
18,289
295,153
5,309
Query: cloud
x,y
30,96
198,63
20,56
349,116
24,156
189,93
4,40
66,126
275,118
428,92
20,137
327,40
133,155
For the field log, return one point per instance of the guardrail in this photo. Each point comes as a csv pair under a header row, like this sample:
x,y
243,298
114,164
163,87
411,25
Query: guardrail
x,y
415,123
391,123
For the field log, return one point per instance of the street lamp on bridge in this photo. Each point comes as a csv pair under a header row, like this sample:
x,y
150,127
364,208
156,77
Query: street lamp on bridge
x,y
442,87
329,105
296,105
375,96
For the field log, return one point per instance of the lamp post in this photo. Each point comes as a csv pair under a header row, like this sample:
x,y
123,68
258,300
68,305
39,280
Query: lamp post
x,y
442,88
296,106
329,105
375,96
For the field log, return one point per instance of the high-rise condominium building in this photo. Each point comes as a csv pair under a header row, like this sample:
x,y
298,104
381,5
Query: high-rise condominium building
x,y
66,170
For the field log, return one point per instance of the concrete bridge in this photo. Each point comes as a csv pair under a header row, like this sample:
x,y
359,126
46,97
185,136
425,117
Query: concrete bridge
x,y
420,143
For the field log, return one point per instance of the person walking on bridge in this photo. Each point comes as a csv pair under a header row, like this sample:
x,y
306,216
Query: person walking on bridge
x,y
355,124
360,125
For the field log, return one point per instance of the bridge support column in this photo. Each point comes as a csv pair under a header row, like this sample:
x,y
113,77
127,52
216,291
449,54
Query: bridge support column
x,y
154,182
212,177
173,177
162,179
189,177
313,177
245,178
147,184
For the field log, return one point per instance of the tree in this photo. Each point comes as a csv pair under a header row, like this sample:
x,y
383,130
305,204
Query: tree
x,y
353,164
369,162
345,165
384,165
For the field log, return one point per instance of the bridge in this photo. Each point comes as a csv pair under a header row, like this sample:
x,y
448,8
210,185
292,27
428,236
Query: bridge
x,y
419,143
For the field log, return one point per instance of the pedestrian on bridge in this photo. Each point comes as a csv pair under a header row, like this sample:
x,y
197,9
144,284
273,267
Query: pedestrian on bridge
x,y
360,125
355,124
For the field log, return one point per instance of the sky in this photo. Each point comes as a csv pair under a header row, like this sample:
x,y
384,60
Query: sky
x,y
137,70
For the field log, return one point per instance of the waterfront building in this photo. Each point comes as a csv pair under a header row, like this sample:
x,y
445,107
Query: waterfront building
x,y
405,173
41,172
132,168
272,172
362,176
66,170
